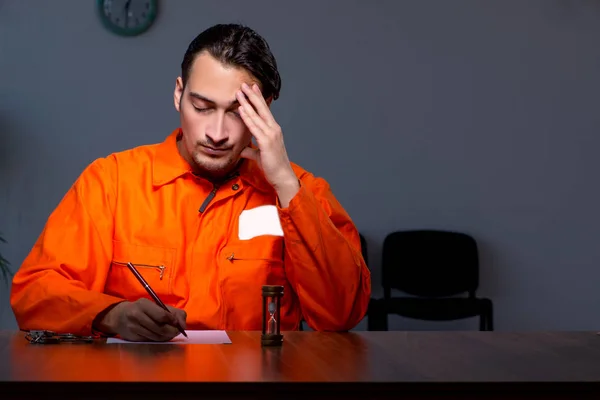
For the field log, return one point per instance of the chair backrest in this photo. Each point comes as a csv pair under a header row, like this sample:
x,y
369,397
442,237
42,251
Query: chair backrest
x,y
430,263
363,248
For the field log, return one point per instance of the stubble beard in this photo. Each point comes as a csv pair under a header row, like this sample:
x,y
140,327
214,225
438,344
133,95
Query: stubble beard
x,y
215,168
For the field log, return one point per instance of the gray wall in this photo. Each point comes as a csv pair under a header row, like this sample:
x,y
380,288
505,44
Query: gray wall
x,y
479,116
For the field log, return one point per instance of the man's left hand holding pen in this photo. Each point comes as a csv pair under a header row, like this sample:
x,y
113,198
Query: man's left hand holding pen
x,y
141,320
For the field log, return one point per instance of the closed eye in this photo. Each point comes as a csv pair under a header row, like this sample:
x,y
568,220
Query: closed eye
x,y
205,109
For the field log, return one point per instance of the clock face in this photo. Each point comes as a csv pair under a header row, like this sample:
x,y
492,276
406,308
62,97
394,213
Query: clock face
x,y
127,17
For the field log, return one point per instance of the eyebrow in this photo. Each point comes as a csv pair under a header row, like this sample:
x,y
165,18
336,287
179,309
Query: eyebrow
x,y
206,99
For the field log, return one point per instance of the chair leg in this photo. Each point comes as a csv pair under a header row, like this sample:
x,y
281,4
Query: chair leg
x,y
486,318
490,317
376,316
483,321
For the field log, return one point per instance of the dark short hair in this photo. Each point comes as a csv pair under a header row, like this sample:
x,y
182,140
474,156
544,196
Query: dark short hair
x,y
238,46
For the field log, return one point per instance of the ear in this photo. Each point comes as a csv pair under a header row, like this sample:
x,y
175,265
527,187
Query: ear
x,y
178,93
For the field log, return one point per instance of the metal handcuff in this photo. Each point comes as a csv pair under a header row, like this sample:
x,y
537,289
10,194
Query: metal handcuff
x,y
49,337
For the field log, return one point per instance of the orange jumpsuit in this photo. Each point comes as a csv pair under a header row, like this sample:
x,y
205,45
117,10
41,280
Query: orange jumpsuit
x,y
185,236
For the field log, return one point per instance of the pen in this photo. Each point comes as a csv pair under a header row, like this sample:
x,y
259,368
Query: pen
x,y
151,293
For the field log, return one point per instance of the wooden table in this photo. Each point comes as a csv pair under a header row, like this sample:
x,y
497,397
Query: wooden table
x,y
311,365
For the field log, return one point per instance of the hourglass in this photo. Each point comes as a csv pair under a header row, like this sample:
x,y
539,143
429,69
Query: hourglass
x,y
271,335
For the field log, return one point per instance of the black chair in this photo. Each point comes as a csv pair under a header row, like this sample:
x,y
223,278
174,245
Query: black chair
x,y
434,268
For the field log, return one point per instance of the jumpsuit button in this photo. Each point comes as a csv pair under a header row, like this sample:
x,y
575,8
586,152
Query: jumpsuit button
x,y
235,186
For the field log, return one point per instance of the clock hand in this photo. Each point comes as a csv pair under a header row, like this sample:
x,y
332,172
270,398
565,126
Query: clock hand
x,y
127,4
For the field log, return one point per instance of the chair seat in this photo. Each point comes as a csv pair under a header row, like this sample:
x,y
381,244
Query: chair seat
x,y
438,309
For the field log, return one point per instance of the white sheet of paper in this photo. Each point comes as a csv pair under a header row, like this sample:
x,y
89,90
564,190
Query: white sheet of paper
x,y
194,337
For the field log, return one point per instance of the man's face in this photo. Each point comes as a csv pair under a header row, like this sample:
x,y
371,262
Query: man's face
x,y
214,134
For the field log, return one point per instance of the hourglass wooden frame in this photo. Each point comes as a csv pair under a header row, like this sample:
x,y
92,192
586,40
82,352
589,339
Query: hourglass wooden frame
x,y
271,325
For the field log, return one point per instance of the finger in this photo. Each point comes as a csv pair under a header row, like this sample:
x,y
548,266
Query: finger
x,y
265,100
256,98
146,334
180,316
251,124
249,110
250,153
131,336
159,332
156,312
138,326
134,337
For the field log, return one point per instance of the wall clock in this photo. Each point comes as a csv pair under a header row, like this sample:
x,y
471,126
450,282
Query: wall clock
x,y
127,17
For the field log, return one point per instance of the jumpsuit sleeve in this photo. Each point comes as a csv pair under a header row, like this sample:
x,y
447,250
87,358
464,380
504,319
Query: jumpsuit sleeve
x,y
323,258
59,286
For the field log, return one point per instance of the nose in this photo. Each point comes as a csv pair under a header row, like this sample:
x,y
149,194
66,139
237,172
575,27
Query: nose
x,y
215,130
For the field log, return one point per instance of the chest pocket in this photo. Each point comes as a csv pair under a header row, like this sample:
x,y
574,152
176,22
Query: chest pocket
x,y
155,264
259,251
249,264
245,266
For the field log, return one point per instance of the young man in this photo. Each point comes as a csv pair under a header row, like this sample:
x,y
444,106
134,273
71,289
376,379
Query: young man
x,y
207,218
